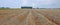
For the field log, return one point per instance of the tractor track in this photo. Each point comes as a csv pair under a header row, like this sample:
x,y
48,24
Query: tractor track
x,y
47,16
43,19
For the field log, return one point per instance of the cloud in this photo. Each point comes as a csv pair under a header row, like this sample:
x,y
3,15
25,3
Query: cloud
x,y
24,2
46,2
34,3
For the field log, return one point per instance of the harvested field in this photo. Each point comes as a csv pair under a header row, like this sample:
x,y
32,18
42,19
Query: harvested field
x,y
30,17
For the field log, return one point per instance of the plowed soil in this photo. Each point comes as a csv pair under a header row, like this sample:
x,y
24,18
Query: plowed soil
x,y
30,17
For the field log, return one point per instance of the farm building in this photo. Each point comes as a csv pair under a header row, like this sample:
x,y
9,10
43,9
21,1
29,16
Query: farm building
x,y
26,7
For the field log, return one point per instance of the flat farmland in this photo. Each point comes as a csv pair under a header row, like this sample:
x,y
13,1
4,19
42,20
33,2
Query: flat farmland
x,y
30,17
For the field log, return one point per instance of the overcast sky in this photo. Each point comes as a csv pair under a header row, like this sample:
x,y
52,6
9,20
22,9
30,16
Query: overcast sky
x,y
33,3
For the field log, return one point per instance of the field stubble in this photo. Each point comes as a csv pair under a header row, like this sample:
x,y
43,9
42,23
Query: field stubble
x,y
29,17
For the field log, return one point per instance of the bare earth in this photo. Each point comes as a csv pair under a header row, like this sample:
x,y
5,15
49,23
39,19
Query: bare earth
x,y
30,17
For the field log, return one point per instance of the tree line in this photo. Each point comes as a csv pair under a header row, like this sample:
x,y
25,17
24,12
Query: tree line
x,y
4,8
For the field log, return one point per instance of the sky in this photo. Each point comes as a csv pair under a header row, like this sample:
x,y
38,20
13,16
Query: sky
x,y
33,3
